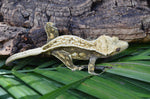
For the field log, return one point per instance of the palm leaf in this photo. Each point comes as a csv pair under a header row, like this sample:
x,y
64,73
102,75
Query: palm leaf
x,y
126,76
61,90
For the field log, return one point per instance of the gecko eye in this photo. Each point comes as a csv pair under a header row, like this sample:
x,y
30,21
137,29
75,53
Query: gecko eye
x,y
118,49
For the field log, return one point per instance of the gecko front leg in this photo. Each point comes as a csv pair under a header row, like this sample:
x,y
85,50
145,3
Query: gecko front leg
x,y
66,58
91,65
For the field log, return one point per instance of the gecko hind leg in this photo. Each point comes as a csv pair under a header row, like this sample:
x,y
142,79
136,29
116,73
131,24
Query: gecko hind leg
x,y
65,57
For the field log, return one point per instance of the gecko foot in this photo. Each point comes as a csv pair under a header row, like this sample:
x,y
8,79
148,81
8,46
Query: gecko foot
x,y
93,73
77,68
82,67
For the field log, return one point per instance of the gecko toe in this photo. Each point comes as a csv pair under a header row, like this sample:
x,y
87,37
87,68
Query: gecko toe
x,y
82,67
77,68
93,73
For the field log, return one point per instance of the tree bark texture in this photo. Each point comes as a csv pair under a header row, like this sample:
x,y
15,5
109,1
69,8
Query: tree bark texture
x,y
22,21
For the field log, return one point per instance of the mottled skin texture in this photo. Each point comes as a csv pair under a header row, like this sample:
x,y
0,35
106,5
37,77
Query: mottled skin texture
x,y
51,31
68,47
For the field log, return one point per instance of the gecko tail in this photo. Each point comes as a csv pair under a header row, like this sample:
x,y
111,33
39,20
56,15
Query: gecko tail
x,y
31,52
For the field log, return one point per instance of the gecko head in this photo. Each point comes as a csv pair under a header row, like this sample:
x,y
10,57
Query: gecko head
x,y
49,25
110,45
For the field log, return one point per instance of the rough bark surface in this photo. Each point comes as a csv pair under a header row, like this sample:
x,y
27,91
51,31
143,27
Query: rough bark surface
x,y
127,19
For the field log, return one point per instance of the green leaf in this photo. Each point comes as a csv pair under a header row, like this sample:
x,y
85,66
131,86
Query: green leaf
x,y
41,84
17,89
2,62
3,71
133,70
131,74
102,88
4,94
23,63
135,58
144,53
59,91
139,88
46,64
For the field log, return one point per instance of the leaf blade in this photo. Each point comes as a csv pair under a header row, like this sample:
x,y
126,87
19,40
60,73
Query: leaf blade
x,y
59,91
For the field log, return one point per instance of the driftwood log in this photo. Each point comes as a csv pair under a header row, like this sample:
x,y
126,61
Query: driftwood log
x,y
22,21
